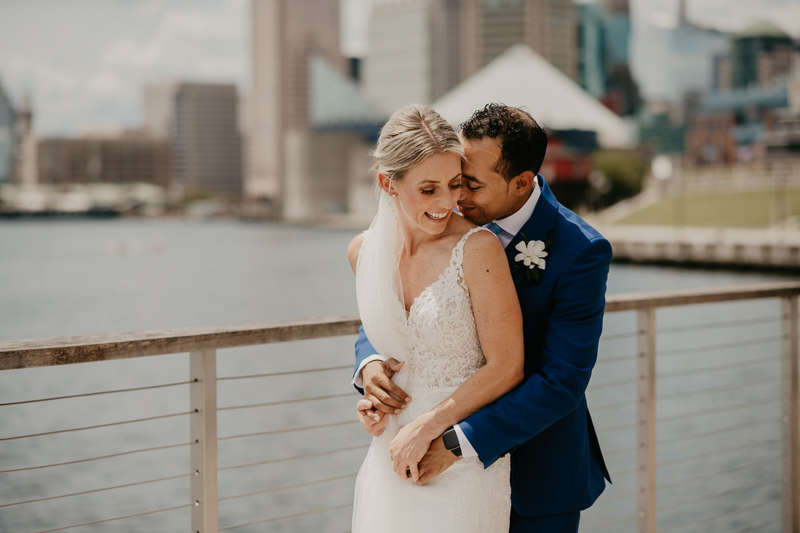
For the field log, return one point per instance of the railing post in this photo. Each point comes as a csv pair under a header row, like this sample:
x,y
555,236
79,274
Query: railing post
x,y
203,404
646,421
791,427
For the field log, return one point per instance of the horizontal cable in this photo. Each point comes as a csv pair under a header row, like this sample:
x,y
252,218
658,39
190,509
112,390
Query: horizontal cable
x,y
727,386
709,475
97,458
97,426
759,527
613,384
609,522
606,407
283,402
290,430
616,359
718,451
616,336
717,325
719,346
287,487
97,393
729,491
118,518
303,456
727,407
616,497
295,515
725,429
618,451
723,366
714,517
97,490
630,470
620,427
287,373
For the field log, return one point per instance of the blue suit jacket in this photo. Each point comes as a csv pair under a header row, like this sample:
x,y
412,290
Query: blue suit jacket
x,y
556,462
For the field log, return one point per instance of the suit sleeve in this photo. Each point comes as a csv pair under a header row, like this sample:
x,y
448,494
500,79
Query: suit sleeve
x,y
363,350
569,352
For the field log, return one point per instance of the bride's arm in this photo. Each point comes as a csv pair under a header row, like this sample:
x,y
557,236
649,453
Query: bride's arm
x,y
499,322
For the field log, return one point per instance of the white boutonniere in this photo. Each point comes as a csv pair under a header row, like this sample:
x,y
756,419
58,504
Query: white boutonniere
x,y
531,256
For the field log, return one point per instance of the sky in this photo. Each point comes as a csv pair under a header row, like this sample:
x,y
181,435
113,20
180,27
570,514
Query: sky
x,y
84,62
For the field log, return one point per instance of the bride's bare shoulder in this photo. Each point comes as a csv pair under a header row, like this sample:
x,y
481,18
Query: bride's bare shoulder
x,y
484,250
353,250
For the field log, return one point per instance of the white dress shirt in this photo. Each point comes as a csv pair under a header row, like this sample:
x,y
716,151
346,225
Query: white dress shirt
x,y
511,225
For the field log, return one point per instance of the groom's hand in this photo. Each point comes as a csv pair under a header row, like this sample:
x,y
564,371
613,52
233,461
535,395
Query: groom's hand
x,y
379,388
436,460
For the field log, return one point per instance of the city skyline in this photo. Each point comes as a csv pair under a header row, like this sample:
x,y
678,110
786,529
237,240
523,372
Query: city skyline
x,y
85,63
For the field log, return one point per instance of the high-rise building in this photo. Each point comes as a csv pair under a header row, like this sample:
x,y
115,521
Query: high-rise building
x,y
761,54
414,51
420,49
126,157
284,35
6,137
676,59
201,123
25,144
592,40
604,36
490,27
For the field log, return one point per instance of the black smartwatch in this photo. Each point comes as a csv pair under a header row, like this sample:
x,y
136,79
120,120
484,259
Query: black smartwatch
x,y
450,439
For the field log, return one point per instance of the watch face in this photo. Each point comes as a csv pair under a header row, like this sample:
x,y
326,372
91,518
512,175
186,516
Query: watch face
x,y
450,440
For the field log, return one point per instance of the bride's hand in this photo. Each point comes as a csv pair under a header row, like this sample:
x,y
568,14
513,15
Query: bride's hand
x,y
409,446
374,421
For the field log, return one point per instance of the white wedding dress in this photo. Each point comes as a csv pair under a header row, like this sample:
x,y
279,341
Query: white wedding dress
x,y
442,351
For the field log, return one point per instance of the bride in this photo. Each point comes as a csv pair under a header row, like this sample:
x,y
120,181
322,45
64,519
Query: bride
x,y
435,293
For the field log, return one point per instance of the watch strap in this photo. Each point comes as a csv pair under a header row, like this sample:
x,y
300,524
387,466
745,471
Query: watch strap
x,y
450,440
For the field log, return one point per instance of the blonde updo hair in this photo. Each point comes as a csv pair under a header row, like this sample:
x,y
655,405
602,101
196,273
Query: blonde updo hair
x,y
411,135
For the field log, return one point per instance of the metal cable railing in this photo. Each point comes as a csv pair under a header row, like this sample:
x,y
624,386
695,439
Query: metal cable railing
x,y
714,413
92,491
285,517
718,418
117,518
96,426
294,457
99,393
97,458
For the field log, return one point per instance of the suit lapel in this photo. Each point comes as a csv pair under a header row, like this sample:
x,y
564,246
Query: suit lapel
x,y
541,223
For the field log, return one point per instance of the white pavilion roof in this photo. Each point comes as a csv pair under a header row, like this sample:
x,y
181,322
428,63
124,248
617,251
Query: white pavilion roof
x,y
522,78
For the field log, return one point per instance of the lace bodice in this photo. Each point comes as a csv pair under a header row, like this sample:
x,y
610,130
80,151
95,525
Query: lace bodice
x,y
442,337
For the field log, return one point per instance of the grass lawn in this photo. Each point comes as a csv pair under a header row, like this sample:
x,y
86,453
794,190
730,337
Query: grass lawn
x,y
752,209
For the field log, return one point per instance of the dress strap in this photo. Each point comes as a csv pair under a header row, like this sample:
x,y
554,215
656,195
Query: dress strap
x,y
458,252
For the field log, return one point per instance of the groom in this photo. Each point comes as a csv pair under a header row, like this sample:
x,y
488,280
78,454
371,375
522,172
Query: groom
x,y
557,468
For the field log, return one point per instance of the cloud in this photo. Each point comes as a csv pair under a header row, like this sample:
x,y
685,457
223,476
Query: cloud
x,y
86,63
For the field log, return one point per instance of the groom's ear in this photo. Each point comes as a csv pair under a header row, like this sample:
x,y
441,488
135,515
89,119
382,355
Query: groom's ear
x,y
523,182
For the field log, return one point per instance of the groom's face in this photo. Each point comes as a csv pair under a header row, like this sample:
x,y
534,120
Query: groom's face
x,y
485,195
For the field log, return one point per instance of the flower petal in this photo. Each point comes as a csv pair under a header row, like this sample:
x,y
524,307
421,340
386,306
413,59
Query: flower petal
x,y
521,247
527,260
538,247
541,264
543,254
519,257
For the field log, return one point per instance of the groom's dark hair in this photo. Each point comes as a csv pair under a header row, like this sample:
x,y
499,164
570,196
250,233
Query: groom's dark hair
x,y
523,142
